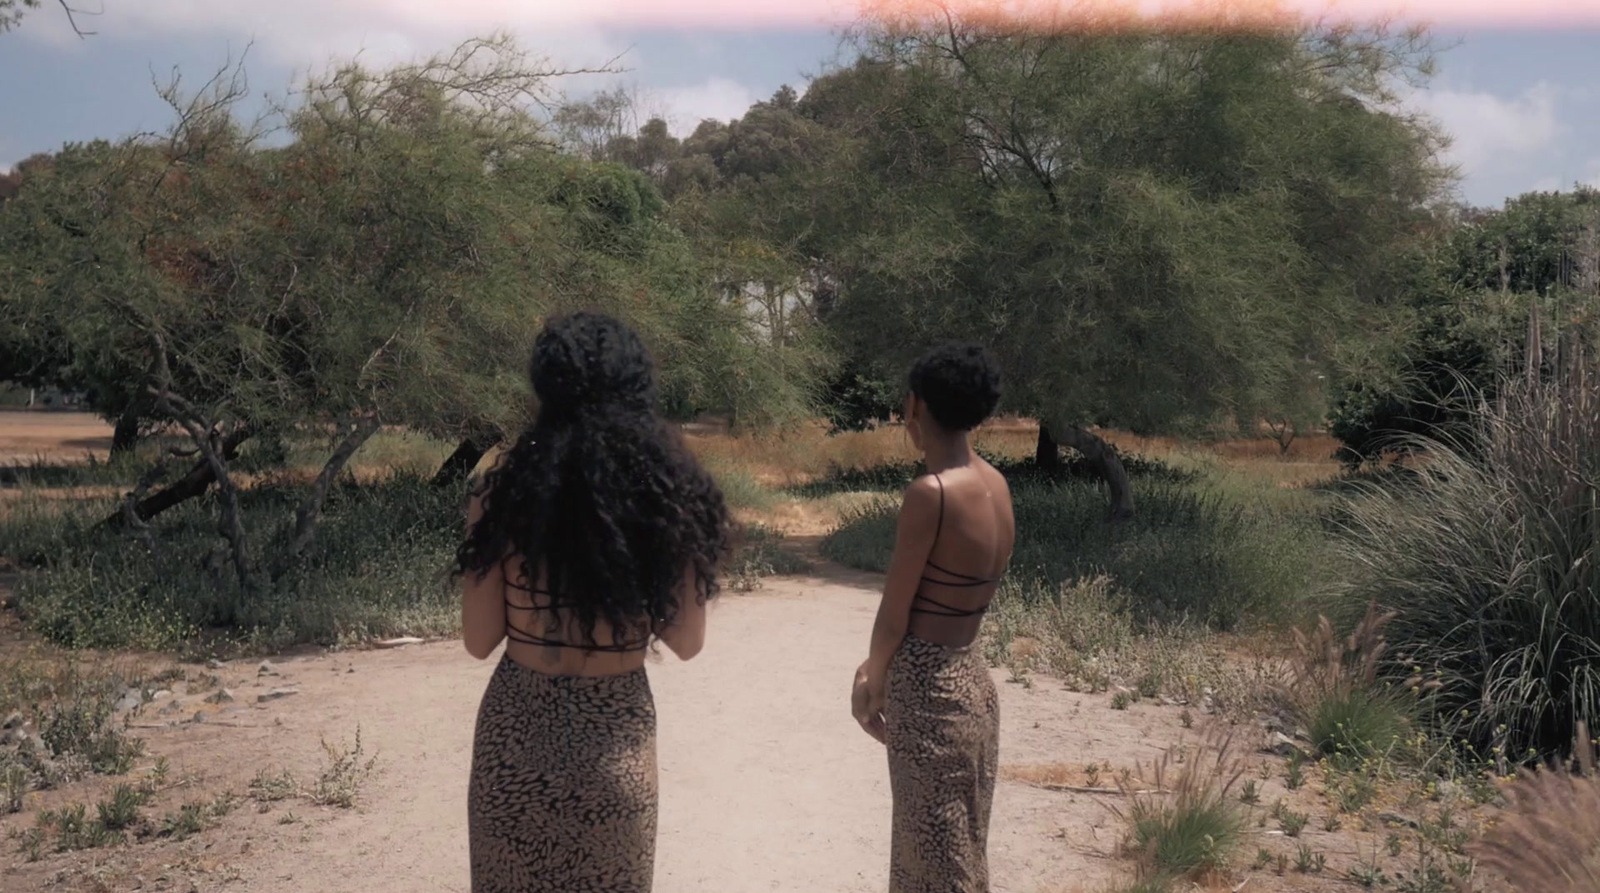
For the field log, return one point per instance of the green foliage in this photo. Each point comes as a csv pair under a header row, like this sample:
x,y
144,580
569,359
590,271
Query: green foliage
x,y
855,399
389,265
377,569
761,553
1193,552
1188,822
1151,230
1356,723
1490,561
1462,314
81,728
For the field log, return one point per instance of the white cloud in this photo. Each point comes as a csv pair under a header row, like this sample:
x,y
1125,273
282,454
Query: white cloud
x,y
685,107
1486,129
301,33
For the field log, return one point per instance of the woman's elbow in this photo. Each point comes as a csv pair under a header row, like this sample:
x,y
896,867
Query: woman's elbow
x,y
685,646
480,647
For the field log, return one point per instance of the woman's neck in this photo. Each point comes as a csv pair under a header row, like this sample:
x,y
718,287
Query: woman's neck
x,y
943,452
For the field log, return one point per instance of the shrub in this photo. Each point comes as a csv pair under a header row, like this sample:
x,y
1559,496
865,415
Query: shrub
x,y
760,553
1549,840
1335,691
376,568
1181,820
1492,562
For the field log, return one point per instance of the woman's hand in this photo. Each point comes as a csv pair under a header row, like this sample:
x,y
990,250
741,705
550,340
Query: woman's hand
x,y
866,702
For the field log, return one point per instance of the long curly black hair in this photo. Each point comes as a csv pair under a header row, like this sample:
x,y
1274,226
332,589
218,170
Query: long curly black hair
x,y
600,492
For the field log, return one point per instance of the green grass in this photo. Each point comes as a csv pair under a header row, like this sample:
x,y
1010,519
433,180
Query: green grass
x,y
740,489
1193,552
761,553
1186,823
1356,724
377,568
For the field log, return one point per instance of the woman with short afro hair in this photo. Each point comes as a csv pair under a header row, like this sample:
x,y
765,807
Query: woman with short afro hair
x,y
924,691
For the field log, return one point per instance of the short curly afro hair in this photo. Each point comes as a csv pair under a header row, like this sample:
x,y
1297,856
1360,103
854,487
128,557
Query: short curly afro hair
x,y
960,383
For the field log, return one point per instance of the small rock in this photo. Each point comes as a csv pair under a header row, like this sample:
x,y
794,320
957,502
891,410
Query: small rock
x,y
276,693
214,664
171,708
14,721
220,696
1280,744
129,701
163,693
267,669
351,670
199,716
400,642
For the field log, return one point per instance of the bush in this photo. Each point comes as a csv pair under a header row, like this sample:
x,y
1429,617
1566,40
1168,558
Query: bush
x,y
1347,712
1355,724
376,568
1181,820
760,553
1549,839
1492,563
1189,554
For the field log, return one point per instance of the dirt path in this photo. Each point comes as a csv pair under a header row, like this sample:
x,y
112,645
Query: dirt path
x,y
766,781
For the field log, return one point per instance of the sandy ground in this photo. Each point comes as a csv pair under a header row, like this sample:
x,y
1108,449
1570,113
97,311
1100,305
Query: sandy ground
x,y
766,781
767,784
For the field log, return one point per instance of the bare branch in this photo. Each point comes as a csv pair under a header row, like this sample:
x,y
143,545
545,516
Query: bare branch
x,y
72,17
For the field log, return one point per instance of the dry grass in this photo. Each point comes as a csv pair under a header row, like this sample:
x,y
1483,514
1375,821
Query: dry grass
x,y
1549,840
1335,692
1181,816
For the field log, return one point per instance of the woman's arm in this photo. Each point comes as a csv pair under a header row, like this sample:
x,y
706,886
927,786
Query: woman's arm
x,y
914,535
686,634
483,609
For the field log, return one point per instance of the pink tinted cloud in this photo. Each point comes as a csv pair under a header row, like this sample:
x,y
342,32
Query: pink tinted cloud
x,y
735,14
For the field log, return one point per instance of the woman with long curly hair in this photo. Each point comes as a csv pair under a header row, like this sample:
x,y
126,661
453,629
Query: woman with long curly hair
x,y
923,690
592,537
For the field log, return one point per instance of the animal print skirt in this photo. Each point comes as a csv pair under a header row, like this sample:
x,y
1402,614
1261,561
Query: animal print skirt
x,y
942,719
563,789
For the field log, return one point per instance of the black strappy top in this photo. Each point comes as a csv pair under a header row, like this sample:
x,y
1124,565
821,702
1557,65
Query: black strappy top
x,y
953,579
516,633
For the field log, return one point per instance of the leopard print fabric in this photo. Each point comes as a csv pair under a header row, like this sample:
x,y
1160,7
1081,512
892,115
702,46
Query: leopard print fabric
x,y
563,789
942,718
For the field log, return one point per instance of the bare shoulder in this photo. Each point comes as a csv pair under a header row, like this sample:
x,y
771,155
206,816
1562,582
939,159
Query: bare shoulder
x,y
995,481
923,493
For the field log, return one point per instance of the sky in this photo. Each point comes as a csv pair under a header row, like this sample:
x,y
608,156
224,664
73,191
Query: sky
x,y
1518,87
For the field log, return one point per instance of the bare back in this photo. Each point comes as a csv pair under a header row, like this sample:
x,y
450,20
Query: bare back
x,y
542,636
975,533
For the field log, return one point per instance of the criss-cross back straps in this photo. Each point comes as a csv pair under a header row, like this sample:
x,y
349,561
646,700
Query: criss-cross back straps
x,y
517,633
957,579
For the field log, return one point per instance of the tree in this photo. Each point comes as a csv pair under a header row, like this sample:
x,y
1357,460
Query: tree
x,y
12,11
1154,229
1462,324
390,265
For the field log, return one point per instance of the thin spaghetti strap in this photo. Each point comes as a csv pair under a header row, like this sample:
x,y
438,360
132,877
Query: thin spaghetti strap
x,y
940,526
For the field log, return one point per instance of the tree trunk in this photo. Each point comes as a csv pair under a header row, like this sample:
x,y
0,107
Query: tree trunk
x,y
1047,453
193,484
1102,457
125,436
460,463
310,510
